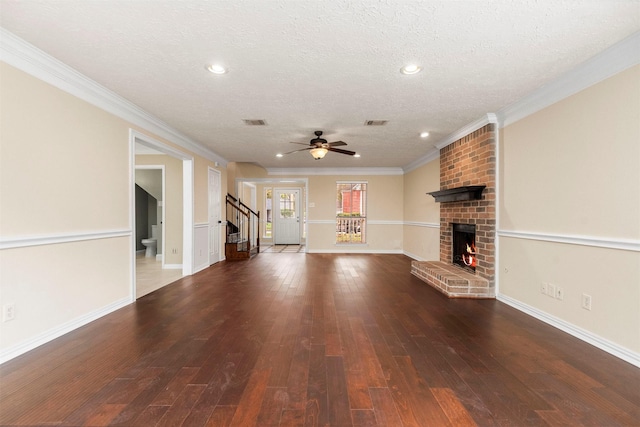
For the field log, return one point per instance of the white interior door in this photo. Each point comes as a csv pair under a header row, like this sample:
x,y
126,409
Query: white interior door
x,y
286,216
214,216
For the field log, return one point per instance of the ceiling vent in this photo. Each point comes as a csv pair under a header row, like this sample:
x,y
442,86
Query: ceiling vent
x,y
375,122
250,122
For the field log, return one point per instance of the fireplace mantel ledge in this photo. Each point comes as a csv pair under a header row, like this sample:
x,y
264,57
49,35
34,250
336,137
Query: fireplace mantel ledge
x,y
459,194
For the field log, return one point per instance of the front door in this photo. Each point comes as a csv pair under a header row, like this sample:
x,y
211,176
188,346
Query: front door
x,y
286,216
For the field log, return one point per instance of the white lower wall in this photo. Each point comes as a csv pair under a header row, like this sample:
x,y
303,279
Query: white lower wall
x,y
422,241
58,287
609,276
201,247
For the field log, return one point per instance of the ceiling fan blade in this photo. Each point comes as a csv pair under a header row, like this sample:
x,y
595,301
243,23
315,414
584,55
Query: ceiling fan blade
x,y
338,150
295,151
336,143
300,143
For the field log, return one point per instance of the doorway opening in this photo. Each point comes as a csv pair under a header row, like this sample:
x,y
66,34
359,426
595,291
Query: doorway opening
x,y
176,212
266,201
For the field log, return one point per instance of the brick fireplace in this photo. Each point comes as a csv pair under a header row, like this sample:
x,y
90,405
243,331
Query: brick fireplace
x,y
467,162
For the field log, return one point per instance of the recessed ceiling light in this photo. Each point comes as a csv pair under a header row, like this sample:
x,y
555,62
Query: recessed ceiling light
x,y
279,155
356,155
216,69
424,134
410,69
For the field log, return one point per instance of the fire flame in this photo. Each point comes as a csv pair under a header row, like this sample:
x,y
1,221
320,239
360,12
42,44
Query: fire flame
x,y
468,258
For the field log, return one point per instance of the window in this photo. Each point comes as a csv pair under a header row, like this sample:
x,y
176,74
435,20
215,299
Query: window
x,y
351,212
287,205
268,200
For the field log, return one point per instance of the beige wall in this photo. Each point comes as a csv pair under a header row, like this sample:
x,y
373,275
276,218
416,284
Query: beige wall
x,y
55,148
384,214
384,208
421,230
64,174
64,170
573,170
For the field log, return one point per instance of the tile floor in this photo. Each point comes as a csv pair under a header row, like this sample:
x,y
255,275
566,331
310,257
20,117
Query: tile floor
x,y
150,275
282,248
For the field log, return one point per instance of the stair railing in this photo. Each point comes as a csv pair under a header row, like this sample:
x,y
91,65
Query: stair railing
x,y
243,225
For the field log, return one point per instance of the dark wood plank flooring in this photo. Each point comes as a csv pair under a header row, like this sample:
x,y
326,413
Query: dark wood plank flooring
x,y
316,340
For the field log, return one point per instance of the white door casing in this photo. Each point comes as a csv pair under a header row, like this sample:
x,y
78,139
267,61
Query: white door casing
x,y
214,215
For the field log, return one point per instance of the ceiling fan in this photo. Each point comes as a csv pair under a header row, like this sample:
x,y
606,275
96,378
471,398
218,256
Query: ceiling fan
x,y
320,147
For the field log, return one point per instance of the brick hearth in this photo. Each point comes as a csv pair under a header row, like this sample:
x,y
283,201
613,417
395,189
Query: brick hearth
x,y
468,161
451,280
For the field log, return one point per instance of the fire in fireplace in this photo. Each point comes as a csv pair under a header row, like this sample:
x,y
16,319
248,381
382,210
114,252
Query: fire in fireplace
x,y
464,245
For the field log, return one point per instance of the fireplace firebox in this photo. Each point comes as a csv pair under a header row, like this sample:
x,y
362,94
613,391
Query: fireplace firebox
x,y
464,246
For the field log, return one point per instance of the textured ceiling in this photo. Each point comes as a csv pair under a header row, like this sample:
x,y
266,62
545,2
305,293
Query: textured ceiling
x,y
326,65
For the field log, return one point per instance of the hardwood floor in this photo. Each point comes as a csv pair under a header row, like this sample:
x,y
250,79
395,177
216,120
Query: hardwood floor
x,y
291,339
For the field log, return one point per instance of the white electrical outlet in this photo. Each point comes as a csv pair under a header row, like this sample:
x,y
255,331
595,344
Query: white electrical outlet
x,y
551,290
586,301
560,293
543,288
8,312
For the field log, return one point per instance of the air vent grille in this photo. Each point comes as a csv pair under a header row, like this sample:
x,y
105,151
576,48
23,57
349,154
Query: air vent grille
x,y
254,122
375,122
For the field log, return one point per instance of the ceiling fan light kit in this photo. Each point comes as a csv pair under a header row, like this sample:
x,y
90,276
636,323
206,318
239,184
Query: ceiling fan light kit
x,y
319,153
319,147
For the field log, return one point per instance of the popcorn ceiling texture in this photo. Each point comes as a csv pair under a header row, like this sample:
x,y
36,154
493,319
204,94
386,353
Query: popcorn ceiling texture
x,y
327,65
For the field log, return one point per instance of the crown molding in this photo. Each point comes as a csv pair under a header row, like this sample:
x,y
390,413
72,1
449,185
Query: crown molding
x,y
451,138
26,57
334,171
429,157
611,61
466,130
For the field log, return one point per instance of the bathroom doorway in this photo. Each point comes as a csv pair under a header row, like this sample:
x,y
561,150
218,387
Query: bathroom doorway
x,y
150,221
173,215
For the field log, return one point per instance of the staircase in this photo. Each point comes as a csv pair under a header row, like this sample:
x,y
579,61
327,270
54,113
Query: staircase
x,y
243,230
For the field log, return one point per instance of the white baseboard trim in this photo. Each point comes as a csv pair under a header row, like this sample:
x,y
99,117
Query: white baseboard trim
x,y
413,256
172,267
50,335
199,268
158,257
582,334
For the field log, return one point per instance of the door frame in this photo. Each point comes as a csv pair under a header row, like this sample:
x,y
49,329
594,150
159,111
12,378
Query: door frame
x,y
220,224
137,137
303,183
164,196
